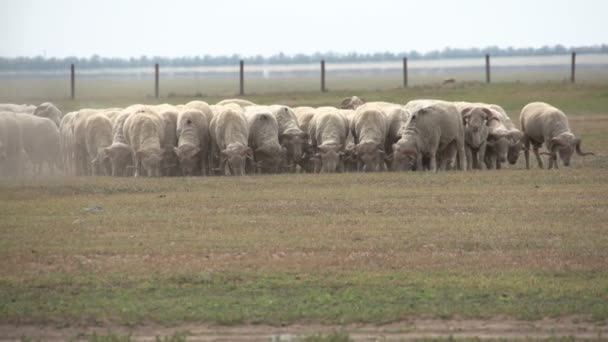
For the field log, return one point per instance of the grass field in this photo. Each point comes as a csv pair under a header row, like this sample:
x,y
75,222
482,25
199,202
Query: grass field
x,y
318,249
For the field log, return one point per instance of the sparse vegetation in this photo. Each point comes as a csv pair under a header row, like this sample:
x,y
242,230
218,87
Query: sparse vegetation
x,y
342,248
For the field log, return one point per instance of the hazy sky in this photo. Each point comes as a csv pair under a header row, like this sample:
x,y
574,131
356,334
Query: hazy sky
x,y
123,28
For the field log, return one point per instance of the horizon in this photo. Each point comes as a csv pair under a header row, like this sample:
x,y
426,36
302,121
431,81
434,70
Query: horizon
x,y
66,28
420,54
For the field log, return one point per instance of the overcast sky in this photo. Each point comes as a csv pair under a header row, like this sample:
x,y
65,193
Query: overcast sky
x,y
125,28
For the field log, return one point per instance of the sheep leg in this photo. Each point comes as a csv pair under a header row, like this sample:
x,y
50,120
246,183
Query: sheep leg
x,y
527,151
470,155
433,161
538,157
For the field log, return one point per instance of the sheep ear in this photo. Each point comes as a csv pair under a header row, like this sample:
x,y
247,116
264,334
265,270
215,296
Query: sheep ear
x,y
487,112
176,150
466,110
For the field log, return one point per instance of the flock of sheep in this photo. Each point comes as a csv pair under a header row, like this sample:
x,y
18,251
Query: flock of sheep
x,y
237,137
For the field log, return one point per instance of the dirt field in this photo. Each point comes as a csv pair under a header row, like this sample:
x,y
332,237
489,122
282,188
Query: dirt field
x,y
407,330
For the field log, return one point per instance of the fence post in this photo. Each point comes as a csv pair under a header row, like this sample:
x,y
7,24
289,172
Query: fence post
x,y
72,82
404,72
156,80
323,76
242,79
487,68
573,67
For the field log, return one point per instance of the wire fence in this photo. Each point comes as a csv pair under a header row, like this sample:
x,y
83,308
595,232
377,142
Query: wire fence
x,y
158,81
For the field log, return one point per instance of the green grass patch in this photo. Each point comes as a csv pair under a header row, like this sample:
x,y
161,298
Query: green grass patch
x,y
283,298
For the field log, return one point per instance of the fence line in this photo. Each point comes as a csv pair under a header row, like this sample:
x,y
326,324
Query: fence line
x,y
323,75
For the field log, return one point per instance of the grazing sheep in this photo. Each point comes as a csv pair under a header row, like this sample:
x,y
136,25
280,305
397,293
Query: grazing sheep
x,y
66,141
304,115
48,110
291,135
144,131
98,136
433,130
475,120
268,154
543,123
396,118
41,142
120,152
11,146
515,135
82,163
229,135
203,107
193,142
169,162
328,130
369,130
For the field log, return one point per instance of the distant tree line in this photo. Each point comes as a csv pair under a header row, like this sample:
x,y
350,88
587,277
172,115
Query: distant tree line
x,y
95,61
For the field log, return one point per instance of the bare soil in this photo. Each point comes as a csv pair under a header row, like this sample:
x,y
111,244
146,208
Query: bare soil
x,y
495,328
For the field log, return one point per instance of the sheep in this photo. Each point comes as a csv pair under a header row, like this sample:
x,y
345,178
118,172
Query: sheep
x,y
369,130
193,142
82,163
204,108
396,119
500,139
433,129
229,135
264,140
98,136
328,130
543,123
475,120
515,135
48,110
41,142
240,102
66,140
291,135
351,102
169,162
11,146
120,152
15,108
144,131
304,115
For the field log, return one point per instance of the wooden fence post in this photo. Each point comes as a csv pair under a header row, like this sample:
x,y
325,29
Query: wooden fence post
x,y
242,79
404,72
573,67
72,82
156,80
323,76
487,68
